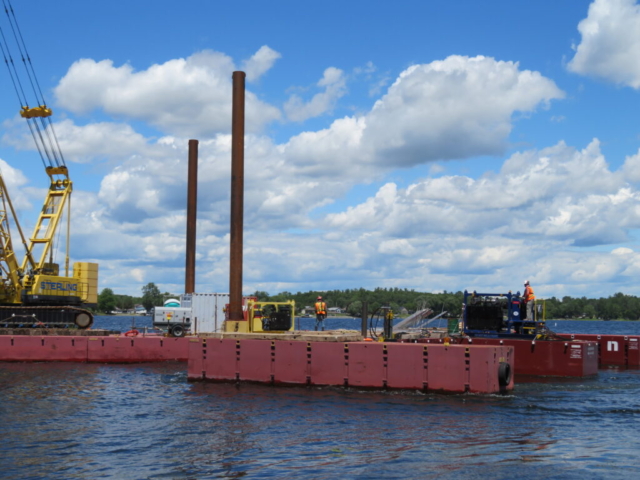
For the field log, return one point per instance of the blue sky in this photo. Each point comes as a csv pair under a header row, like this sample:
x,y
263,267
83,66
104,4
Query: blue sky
x,y
427,145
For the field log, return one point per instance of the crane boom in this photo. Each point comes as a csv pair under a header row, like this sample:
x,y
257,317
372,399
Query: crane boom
x,y
33,292
58,196
8,262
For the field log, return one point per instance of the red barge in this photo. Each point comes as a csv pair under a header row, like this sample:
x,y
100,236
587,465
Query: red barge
x,y
91,348
465,364
613,350
329,359
547,358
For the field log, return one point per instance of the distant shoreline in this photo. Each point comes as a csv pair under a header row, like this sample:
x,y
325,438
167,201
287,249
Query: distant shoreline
x,y
398,317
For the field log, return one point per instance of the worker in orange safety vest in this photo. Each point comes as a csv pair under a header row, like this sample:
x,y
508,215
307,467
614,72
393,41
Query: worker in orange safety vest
x,y
321,313
529,300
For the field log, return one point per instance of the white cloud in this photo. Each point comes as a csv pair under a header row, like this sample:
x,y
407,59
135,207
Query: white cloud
x,y
137,274
83,144
557,193
13,178
15,182
367,70
631,167
397,246
455,108
397,237
454,104
610,44
440,233
189,96
334,83
524,221
260,63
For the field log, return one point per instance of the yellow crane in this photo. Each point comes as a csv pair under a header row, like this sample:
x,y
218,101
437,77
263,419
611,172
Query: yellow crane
x,y
32,291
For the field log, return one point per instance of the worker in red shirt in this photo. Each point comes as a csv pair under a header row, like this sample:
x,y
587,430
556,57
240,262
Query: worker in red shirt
x,y
529,301
321,313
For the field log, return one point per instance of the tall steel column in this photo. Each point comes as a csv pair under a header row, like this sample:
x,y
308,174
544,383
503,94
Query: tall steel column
x,y
192,208
237,197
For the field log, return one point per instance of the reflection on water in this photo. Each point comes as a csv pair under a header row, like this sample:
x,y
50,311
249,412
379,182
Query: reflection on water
x,y
82,421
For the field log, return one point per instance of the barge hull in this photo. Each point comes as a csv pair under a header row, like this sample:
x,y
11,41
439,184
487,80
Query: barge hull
x,y
87,349
356,364
428,368
571,358
620,350
550,358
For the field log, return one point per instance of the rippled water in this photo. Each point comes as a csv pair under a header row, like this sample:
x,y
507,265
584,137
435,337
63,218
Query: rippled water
x,y
147,421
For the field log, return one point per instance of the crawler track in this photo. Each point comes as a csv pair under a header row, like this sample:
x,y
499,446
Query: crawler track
x,y
12,316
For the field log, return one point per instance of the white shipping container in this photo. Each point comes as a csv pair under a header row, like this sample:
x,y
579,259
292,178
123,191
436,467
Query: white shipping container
x,y
207,310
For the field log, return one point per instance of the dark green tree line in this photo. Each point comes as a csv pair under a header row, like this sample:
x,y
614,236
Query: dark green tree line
x,y
616,307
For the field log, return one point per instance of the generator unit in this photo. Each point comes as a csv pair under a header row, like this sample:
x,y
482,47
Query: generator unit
x,y
498,315
176,321
264,317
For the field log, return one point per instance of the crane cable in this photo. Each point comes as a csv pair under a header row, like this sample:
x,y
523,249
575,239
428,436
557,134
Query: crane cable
x,y
43,132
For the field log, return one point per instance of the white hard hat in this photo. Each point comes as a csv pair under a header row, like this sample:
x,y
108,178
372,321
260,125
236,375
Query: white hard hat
x,y
526,282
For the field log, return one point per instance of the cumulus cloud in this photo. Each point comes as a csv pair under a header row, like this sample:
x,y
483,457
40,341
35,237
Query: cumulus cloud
x,y
610,44
397,237
189,96
82,144
334,83
557,193
448,232
397,246
460,107
454,108
631,168
144,196
530,217
15,181
13,178
260,63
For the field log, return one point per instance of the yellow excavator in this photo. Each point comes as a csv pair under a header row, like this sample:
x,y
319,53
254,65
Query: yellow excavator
x,y
32,291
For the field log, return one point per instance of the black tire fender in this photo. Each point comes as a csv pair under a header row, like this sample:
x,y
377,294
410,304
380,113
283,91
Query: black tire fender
x,y
504,374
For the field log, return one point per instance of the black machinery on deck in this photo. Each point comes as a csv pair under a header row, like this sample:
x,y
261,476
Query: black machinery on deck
x,y
500,315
